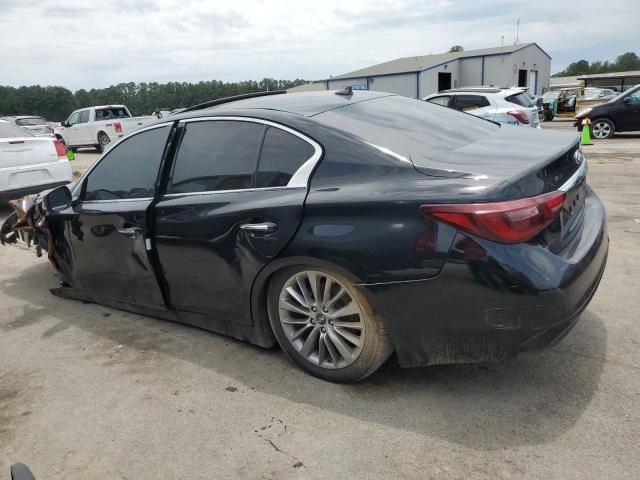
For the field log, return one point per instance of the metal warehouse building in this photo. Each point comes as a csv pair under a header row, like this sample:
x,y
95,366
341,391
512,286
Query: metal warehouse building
x,y
525,65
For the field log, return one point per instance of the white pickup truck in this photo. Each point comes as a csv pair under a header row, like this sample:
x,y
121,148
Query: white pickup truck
x,y
98,126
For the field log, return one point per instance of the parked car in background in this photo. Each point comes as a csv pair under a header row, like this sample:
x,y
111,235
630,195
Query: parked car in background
x,y
98,126
341,225
37,126
512,106
592,93
30,164
620,114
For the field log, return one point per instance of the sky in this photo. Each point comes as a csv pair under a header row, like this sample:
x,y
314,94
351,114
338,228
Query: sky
x,y
95,44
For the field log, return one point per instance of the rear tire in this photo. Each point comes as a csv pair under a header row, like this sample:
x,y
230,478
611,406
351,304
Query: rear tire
x,y
103,141
602,128
329,331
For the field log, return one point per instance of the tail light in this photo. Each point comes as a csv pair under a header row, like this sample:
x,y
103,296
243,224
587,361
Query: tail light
x,y
513,221
118,127
59,148
519,115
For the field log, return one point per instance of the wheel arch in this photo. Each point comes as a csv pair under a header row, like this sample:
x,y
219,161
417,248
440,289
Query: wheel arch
x,y
605,117
101,132
259,290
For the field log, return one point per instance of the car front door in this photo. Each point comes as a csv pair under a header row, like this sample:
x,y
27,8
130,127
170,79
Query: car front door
x,y
106,234
71,130
234,199
628,111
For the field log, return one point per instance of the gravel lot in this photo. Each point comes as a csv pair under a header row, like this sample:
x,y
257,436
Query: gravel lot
x,y
90,392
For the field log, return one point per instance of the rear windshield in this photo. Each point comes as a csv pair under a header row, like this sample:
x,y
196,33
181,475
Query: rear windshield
x,y
411,128
8,130
111,113
523,99
31,121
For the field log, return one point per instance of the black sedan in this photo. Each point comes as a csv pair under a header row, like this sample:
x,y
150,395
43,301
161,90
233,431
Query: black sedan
x,y
341,225
620,114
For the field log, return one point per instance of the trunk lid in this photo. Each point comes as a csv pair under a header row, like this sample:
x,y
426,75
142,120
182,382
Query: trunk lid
x,y
509,163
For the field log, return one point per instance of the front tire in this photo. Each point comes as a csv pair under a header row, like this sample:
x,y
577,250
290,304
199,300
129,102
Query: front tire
x,y
602,128
103,141
325,325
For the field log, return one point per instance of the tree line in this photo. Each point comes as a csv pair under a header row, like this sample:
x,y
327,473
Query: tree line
x,y
56,103
626,62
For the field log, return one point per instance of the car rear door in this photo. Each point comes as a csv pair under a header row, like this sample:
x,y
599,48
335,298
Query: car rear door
x,y
105,243
477,105
85,131
233,200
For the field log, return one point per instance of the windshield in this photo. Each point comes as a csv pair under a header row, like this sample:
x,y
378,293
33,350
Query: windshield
x,y
8,130
523,99
624,94
31,121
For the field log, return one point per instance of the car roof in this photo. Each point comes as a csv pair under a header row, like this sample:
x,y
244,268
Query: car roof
x,y
306,104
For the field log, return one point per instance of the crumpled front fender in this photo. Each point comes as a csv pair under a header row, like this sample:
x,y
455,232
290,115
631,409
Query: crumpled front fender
x,y
28,223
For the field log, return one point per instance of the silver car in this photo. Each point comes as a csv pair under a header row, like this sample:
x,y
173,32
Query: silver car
x,y
35,125
512,106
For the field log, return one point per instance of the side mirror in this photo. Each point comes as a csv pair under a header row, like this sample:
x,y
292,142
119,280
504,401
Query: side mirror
x,y
58,199
626,100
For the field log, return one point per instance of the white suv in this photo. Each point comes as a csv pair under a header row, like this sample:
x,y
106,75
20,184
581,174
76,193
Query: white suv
x,y
512,106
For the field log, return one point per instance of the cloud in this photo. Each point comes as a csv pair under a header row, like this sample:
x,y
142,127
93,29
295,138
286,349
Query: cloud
x,y
66,42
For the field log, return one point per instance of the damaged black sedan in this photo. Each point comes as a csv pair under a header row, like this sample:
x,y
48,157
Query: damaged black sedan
x,y
341,226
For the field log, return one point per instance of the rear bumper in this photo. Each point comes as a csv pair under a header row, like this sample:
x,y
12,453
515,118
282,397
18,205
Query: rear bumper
x,y
16,182
492,301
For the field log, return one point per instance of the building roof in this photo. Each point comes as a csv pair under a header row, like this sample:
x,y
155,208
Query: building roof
x,y
425,62
564,80
633,73
308,87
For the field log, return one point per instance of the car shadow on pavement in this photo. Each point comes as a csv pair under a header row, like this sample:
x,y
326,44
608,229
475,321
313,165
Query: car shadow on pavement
x,y
525,401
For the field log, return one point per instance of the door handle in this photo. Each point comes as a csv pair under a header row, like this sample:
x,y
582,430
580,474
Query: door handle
x,y
130,232
262,227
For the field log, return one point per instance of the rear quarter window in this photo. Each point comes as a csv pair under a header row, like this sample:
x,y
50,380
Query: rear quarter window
x,y
282,155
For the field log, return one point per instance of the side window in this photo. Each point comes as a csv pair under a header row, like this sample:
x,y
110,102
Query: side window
x,y
84,116
216,155
282,155
443,100
73,118
130,168
470,102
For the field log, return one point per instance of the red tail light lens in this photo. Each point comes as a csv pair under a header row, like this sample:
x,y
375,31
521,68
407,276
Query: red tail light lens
x,y
118,127
519,115
59,148
513,221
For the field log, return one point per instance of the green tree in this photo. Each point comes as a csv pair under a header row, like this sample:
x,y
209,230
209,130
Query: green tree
x,y
456,48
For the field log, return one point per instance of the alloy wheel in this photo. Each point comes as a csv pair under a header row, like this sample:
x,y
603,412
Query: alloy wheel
x,y
321,319
601,130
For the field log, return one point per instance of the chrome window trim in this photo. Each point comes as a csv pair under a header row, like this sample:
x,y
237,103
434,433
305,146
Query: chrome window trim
x,y
212,192
300,179
75,193
148,199
577,176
